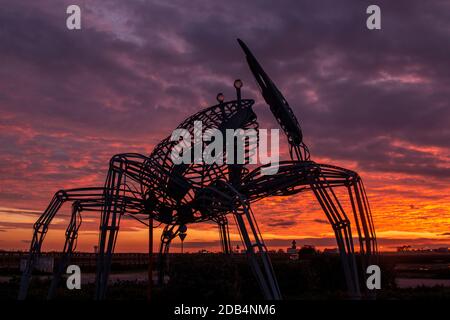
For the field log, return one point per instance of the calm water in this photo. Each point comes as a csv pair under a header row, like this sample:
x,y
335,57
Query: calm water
x,y
412,283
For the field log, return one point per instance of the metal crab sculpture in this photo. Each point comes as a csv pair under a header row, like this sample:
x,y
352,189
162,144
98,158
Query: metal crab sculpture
x,y
177,195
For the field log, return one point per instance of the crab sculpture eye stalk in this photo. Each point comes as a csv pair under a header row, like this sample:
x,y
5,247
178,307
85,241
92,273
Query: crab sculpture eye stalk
x,y
220,98
238,85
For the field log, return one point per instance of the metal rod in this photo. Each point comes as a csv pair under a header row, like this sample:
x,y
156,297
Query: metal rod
x,y
150,257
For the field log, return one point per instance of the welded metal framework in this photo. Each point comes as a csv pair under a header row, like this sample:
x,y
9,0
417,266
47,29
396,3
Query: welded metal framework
x,y
181,194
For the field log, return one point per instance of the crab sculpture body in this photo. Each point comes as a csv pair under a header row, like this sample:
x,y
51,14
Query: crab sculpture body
x,y
180,194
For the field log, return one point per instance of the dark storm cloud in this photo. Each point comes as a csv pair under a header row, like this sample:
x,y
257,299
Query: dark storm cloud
x,y
381,154
282,223
321,221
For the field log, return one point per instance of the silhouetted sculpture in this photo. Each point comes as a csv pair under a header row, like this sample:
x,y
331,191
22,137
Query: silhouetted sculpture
x,y
177,195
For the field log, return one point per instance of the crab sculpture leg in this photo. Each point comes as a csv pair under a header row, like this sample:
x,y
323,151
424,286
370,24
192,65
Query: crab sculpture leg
x,y
224,234
42,224
169,233
256,250
69,247
89,199
145,173
124,168
294,177
113,201
93,205
302,174
223,194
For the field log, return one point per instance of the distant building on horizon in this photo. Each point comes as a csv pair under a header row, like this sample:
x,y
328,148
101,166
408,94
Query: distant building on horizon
x,y
293,249
331,251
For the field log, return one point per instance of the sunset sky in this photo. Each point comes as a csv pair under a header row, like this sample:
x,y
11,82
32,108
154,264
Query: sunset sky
x,y
377,102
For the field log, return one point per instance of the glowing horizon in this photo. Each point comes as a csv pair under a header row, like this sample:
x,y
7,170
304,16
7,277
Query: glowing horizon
x,y
376,103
